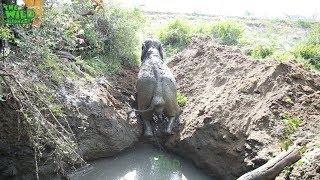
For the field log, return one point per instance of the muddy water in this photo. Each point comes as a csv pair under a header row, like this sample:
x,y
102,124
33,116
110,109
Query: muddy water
x,y
143,162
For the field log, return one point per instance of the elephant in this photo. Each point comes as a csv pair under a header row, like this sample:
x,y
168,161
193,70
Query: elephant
x,y
156,88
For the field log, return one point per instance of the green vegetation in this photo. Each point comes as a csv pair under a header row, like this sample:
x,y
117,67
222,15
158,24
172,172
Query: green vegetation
x,y
228,32
309,50
104,41
116,33
287,171
96,65
267,38
175,35
288,100
56,71
6,34
262,51
181,99
291,124
304,23
283,56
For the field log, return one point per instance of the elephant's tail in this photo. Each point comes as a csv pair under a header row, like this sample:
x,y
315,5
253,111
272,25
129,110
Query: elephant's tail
x,y
157,100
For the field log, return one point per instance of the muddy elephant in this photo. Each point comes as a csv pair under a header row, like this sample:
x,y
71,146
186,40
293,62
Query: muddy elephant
x,y
156,88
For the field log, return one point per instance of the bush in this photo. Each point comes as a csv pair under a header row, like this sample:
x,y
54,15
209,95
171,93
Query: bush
x,y
6,34
307,51
315,62
123,40
283,56
291,124
228,32
304,23
262,51
115,33
111,35
310,48
203,29
314,36
176,34
181,99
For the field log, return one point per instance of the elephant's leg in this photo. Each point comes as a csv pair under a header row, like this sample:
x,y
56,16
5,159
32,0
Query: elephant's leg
x,y
145,89
146,118
172,112
172,109
170,125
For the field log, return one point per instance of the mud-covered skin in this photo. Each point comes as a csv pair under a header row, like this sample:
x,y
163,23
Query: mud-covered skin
x,y
156,87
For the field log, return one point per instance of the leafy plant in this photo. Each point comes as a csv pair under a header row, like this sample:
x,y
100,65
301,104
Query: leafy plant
x,y
291,124
304,23
288,100
181,99
228,32
262,51
203,29
6,34
307,51
111,35
176,33
314,36
283,56
310,49
123,40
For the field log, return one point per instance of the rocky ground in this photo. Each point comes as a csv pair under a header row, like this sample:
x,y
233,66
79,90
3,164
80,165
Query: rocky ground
x,y
234,120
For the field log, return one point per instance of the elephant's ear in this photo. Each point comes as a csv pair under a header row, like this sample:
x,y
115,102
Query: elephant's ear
x,y
160,49
143,52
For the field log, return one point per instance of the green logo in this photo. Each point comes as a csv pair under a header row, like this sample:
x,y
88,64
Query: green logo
x,y
14,14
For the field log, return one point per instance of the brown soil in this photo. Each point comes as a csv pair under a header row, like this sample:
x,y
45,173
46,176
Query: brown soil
x,y
95,111
233,121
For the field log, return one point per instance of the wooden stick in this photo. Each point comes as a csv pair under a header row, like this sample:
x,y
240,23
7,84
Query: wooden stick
x,y
274,166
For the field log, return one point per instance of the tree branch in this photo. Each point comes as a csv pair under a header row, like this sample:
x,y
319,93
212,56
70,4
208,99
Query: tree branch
x,y
274,166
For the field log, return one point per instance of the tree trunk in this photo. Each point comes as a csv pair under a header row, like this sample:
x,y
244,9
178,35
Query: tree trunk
x,y
274,166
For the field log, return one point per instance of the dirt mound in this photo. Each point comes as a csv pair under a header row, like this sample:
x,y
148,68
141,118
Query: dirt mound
x,y
241,112
94,110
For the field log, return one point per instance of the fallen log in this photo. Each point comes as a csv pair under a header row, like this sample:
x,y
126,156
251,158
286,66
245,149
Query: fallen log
x,y
274,166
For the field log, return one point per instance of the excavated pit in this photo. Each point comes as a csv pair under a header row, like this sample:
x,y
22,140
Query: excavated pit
x,y
232,123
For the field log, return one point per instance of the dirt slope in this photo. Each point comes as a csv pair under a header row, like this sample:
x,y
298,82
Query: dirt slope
x,y
235,116
95,110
